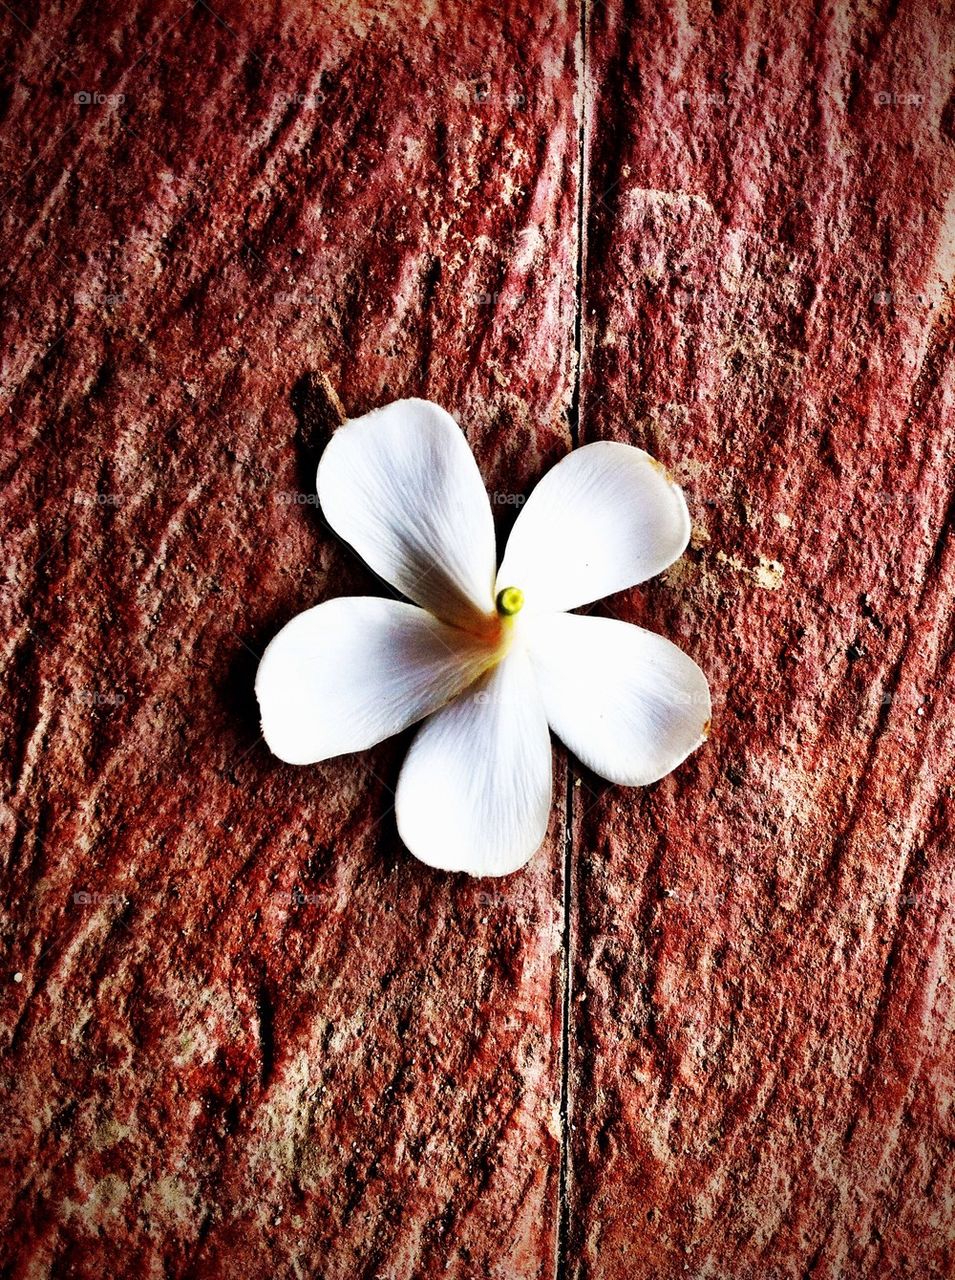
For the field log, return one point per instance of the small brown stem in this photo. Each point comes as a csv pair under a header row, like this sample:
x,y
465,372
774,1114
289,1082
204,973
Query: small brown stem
x,y
335,410
319,411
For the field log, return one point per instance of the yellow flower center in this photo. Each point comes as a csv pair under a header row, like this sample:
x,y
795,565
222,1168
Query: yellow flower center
x,y
510,601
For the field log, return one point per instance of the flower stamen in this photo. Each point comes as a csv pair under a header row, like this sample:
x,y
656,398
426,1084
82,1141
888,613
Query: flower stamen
x,y
510,601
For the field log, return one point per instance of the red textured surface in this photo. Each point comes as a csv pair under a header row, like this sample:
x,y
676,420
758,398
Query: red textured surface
x,y
251,1036
272,1044
763,1059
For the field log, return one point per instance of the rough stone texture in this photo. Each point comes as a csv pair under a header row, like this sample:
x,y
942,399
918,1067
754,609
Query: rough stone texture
x,y
251,1037
763,1062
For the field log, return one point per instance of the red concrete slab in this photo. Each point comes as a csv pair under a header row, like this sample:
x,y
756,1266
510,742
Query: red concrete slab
x,y
762,1054
245,1033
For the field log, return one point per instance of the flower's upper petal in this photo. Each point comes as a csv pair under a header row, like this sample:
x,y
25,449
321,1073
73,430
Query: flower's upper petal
x,y
628,703
402,487
352,672
606,517
474,793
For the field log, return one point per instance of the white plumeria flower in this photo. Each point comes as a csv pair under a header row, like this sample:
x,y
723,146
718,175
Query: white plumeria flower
x,y
491,657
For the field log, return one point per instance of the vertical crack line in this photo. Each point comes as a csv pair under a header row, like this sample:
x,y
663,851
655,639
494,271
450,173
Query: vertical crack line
x,y
574,412
563,1186
562,1262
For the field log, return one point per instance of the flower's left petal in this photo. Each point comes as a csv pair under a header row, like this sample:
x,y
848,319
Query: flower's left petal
x,y
353,671
401,486
627,702
474,793
606,517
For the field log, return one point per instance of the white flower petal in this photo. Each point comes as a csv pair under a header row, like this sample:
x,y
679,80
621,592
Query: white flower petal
x,y
352,672
627,702
606,517
401,486
474,793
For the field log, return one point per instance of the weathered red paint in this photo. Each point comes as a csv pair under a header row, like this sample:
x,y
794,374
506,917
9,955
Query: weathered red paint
x,y
271,1044
763,1065
251,1036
